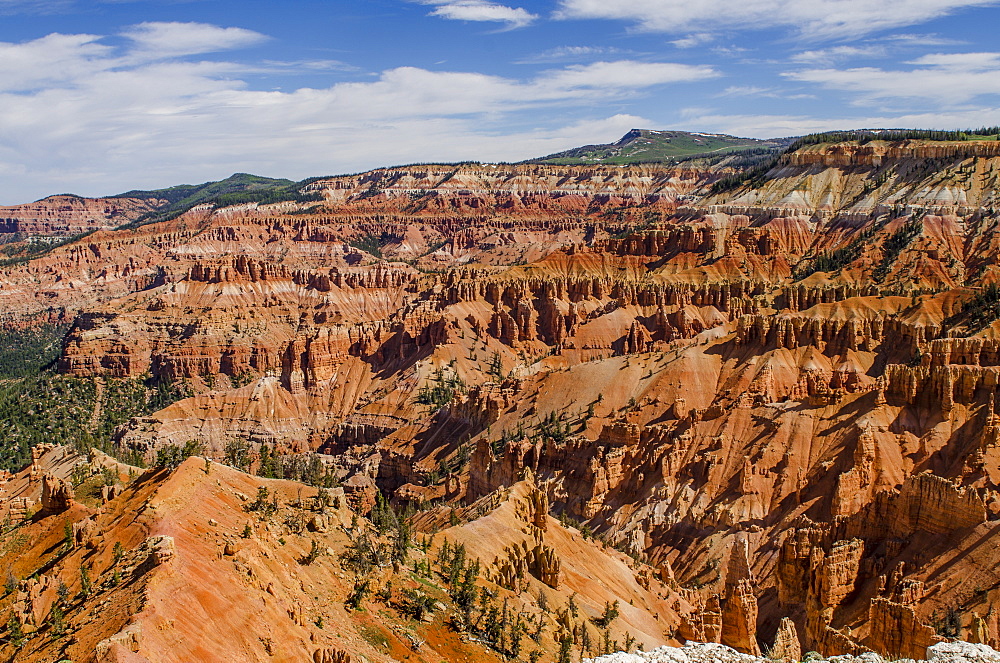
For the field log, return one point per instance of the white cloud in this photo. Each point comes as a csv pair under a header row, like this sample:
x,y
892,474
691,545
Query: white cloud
x,y
60,59
911,39
50,60
944,80
813,18
623,74
77,115
747,91
838,53
961,61
166,40
692,40
32,6
480,10
305,66
765,92
570,53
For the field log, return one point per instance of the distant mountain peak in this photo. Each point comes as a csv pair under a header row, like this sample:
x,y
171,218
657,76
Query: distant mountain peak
x,y
659,146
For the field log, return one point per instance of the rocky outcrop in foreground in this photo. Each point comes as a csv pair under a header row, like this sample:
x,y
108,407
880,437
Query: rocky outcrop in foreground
x,y
943,652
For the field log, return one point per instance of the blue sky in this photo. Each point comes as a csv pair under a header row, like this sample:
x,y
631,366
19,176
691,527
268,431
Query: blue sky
x,y
101,97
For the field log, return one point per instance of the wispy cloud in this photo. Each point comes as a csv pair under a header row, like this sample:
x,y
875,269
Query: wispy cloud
x,y
731,51
168,40
52,60
8,7
940,80
572,53
823,19
306,66
838,54
481,10
747,91
757,91
923,40
692,40
623,75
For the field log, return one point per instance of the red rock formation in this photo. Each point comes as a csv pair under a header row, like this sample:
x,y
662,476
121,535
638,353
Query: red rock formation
x,y
70,215
57,494
894,627
795,381
739,619
786,643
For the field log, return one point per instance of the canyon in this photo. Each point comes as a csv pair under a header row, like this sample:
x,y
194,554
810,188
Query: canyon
x,y
760,414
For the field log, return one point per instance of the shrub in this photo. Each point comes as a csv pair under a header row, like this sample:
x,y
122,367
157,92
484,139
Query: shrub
x,y
358,594
314,553
15,632
416,603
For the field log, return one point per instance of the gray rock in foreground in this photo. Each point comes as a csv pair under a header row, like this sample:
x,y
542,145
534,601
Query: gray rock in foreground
x,y
943,652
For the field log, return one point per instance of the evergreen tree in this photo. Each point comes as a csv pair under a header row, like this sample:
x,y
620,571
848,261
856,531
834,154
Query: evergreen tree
x,y
15,632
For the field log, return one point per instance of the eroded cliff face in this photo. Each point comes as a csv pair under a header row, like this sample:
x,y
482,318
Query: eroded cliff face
x,y
183,565
781,399
70,215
